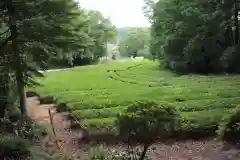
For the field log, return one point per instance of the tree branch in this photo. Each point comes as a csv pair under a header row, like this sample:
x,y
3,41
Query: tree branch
x,y
4,32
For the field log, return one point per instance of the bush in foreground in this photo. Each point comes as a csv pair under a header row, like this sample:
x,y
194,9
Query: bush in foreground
x,y
14,147
145,122
98,153
229,128
27,128
37,153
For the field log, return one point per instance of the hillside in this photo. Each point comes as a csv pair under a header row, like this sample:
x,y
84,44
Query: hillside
x,y
96,94
123,32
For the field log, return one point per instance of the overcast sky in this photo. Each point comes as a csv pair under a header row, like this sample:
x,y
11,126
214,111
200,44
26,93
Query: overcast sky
x,y
123,13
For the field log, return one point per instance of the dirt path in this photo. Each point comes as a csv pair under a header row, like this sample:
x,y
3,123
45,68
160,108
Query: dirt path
x,y
68,141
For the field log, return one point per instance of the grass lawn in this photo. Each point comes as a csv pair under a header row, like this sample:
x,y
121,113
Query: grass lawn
x,y
96,94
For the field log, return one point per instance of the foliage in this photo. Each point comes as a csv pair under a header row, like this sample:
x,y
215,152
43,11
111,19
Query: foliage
x,y
27,129
145,53
122,32
147,121
47,32
148,9
229,127
37,153
100,31
137,40
201,100
116,155
14,147
49,22
98,153
200,124
192,36
127,155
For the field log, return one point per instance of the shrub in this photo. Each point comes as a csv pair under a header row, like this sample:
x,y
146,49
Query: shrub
x,y
37,153
124,155
62,107
146,121
98,153
229,60
47,100
229,127
32,130
27,129
14,147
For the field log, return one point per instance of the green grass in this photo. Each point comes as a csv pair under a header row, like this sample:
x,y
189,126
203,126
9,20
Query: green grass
x,y
96,94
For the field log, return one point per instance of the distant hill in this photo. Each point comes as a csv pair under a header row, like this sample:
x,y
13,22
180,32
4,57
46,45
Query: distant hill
x,y
123,31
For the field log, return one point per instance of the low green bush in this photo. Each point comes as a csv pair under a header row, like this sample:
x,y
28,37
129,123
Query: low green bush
x,y
145,121
14,147
32,130
98,153
229,127
62,107
100,125
201,123
37,153
27,128
47,100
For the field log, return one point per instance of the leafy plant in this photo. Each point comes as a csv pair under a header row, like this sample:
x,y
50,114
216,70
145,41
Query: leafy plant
x,y
26,128
37,153
146,121
130,154
229,127
98,153
14,147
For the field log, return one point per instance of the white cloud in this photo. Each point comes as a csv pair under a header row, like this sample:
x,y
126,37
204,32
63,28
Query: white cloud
x,y
121,12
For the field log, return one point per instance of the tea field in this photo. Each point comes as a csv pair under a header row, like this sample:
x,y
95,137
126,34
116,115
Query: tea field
x,y
96,94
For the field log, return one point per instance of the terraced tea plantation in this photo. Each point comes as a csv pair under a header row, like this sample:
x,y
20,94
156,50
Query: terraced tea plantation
x,y
96,94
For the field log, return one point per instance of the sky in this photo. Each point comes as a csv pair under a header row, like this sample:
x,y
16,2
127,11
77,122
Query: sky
x,y
122,13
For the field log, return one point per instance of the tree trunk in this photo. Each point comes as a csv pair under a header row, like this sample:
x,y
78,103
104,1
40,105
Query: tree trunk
x,y
229,40
144,151
17,58
3,93
236,24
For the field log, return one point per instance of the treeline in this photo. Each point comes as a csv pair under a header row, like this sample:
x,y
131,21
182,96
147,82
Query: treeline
x,y
95,33
135,43
65,30
195,36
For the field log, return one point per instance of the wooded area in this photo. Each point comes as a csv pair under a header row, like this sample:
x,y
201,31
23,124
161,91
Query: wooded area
x,y
195,36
